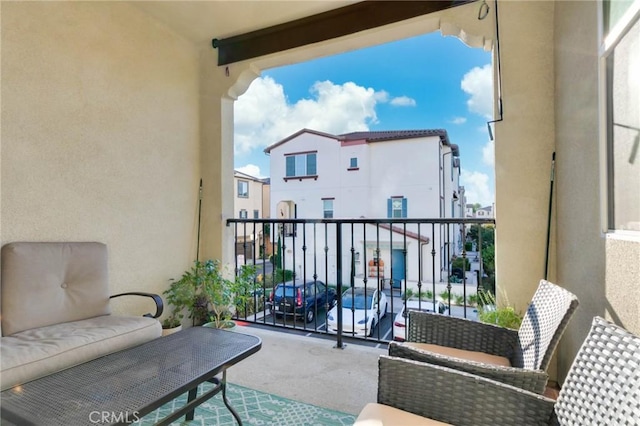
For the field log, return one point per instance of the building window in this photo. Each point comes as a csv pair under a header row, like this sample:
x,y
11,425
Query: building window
x,y
396,207
620,97
256,214
327,208
301,165
353,163
243,189
243,214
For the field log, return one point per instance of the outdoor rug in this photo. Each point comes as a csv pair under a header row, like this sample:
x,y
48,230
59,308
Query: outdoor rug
x,y
254,408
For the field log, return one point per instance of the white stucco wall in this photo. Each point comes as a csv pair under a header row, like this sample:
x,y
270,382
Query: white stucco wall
x,y
100,136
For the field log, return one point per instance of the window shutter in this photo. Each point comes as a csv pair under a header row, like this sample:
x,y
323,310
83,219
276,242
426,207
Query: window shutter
x,y
404,207
389,208
311,164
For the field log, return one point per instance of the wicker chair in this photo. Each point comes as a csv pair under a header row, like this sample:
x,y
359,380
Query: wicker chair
x,y
516,357
602,388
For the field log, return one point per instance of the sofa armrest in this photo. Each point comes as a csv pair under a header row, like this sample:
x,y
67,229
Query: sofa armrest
x,y
461,333
456,397
156,298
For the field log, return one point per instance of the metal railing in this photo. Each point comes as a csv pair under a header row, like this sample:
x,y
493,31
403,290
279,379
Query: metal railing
x,y
305,267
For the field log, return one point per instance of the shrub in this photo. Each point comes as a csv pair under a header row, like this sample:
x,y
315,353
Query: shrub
x,y
408,294
444,295
472,299
426,294
458,299
458,262
503,316
277,277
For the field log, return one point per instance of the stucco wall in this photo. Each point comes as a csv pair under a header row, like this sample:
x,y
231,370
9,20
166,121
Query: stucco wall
x,y
581,260
100,136
524,143
603,271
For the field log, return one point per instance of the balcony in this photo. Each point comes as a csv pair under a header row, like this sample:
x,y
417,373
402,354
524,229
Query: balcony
x,y
390,259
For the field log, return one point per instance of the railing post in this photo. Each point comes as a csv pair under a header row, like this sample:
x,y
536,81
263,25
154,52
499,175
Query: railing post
x,y
339,344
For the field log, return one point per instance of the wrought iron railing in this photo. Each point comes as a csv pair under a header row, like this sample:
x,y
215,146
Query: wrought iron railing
x,y
306,266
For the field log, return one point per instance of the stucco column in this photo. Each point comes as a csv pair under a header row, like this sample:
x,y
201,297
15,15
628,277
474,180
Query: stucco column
x,y
219,88
524,143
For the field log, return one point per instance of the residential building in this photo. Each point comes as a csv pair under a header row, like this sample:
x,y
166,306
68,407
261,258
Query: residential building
x,y
249,203
112,112
373,175
480,212
249,196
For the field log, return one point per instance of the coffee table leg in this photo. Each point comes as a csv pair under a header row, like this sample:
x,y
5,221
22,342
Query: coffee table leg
x,y
192,395
224,398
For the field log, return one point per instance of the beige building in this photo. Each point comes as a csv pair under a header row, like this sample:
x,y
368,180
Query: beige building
x,y
249,193
113,111
249,203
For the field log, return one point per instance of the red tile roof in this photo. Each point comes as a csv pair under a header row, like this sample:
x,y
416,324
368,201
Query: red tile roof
x,y
379,136
387,135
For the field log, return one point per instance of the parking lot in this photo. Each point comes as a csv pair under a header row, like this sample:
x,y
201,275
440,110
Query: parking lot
x,y
381,332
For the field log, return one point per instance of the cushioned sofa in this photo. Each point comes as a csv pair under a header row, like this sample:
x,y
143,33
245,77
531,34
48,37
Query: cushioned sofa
x,y
55,310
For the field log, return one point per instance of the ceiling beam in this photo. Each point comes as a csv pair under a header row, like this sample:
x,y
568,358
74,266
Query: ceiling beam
x,y
324,26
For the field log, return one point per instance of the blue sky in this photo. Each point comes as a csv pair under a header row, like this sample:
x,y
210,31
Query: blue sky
x,y
424,82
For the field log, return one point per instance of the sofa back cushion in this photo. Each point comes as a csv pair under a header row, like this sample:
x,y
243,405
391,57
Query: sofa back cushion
x,y
51,283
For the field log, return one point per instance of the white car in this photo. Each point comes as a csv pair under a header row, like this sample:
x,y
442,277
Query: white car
x,y
399,326
360,313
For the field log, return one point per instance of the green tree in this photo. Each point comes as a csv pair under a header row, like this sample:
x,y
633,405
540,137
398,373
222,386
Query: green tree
x,y
487,232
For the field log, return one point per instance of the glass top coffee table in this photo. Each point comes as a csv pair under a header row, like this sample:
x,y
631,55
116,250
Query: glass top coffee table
x,y
122,387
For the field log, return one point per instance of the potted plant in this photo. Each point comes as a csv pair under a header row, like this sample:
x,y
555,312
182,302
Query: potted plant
x,y
207,295
171,324
230,296
490,312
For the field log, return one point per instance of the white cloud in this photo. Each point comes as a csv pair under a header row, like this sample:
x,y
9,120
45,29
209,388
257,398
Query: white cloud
x,y
403,101
488,153
263,114
476,186
251,170
478,83
458,120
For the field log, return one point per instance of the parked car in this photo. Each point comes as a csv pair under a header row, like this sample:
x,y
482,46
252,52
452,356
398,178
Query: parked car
x,y
399,326
360,313
300,299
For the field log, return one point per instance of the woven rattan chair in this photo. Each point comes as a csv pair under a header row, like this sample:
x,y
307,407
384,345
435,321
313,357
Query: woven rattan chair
x,y
601,388
516,357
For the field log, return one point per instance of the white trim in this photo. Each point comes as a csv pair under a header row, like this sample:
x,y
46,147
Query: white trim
x,y
633,236
617,32
607,44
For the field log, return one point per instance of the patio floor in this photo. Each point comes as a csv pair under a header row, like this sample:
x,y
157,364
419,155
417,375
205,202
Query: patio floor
x,y
307,368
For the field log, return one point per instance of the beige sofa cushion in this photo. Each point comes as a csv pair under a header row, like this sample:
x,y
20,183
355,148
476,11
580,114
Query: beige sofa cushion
x,y
51,283
384,415
461,354
35,353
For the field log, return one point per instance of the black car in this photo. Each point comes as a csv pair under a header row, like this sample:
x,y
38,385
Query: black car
x,y
301,299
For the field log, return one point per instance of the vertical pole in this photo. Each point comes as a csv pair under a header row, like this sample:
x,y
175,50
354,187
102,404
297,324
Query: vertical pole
x,y
339,344
199,216
546,258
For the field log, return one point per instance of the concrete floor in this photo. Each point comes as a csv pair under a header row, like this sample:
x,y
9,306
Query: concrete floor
x,y
308,368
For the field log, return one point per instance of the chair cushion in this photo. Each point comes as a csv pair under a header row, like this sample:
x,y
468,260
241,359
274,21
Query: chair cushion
x,y
383,415
461,354
35,353
50,283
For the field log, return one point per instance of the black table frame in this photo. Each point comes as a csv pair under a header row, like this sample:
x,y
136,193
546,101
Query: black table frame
x,y
134,381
